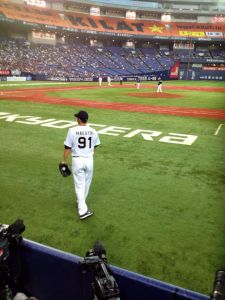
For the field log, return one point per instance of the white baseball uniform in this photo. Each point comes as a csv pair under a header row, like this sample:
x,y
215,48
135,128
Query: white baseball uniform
x,y
138,82
159,88
82,140
109,80
100,80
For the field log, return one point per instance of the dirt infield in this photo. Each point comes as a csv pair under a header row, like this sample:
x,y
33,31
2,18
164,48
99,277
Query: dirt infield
x,y
154,95
40,95
196,88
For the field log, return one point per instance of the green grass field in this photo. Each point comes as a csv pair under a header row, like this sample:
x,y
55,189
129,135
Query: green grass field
x,y
159,207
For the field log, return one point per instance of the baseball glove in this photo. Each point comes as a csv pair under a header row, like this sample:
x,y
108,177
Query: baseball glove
x,y
64,170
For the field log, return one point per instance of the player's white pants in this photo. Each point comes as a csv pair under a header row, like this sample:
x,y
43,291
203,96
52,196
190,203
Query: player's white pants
x,y
138,85
100,82
159,89
82,168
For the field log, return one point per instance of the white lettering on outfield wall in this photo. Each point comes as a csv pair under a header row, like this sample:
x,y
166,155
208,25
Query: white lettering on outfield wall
x,y
147,135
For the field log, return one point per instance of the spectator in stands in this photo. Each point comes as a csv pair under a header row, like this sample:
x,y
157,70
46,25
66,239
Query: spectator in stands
x,y
76,60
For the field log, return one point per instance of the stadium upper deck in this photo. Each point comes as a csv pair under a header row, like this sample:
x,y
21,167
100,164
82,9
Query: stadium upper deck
x,y
54,41
203,6
182,6
52,19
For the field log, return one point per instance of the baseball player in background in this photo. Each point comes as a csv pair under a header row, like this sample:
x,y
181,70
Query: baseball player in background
x,y
109,80
138,82
100,80
81,142
159,88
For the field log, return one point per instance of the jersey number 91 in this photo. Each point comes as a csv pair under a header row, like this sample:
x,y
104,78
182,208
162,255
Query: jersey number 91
x,y
84,142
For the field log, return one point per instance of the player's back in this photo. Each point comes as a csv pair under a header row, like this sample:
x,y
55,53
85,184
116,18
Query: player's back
x,y
82,140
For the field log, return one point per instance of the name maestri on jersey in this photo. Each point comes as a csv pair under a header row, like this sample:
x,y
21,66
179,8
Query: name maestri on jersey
x,y
84,133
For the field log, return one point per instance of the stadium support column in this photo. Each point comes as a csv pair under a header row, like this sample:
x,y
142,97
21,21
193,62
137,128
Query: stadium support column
x,y
189,58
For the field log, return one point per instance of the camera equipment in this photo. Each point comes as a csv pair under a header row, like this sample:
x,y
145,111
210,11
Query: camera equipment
x,y
218,292
104,284
10,238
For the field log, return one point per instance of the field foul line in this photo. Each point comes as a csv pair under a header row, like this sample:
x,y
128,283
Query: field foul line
x,y
28,84
218,129
11,92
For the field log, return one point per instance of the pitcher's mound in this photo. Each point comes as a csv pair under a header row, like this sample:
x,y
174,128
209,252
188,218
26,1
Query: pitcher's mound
x,y
155,95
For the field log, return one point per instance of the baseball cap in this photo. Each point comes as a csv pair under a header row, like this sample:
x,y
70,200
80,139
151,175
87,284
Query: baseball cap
x,y
82,115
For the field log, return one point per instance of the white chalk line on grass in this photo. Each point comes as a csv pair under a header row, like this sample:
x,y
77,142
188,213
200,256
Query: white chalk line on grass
x,y
7,93
11,92
218,129
28,84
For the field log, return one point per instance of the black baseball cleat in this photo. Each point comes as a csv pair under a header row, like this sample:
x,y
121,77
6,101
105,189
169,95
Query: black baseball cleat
x,y
86,215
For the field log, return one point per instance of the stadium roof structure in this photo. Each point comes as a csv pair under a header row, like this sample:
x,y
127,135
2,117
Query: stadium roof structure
x,y
219,5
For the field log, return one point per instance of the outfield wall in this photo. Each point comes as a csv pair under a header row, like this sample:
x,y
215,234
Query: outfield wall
x,y
183,74
198,74
51,274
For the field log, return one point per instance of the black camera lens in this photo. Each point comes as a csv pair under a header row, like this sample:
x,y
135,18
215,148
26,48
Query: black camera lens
x,y
219,286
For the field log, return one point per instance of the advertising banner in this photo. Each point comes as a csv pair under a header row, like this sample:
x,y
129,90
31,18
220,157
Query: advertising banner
x,y
174,71
19,78
4,72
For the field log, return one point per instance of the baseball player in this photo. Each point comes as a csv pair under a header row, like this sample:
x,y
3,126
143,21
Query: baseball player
x,y
159,88
81,142
109,80
138,82
100,80
121,80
